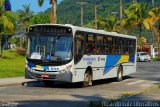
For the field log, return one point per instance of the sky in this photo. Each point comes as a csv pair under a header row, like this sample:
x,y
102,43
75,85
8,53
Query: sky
x,y
17,4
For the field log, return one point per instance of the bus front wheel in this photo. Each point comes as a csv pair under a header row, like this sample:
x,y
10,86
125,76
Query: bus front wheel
x,y
87,79
120,74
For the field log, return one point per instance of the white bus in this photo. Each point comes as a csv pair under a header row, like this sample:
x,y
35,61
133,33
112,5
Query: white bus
x,y
75,54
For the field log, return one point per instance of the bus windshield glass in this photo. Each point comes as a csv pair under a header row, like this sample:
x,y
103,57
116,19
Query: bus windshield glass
x,y
50,48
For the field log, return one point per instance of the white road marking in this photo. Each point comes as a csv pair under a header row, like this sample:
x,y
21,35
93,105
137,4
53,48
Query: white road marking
x,y
154,82
145,85
135,82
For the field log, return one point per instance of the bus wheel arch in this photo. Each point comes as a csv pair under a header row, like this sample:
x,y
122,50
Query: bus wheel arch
x,y
88,77
120,73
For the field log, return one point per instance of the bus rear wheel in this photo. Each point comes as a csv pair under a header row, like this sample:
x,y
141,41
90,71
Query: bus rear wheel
x,y
87,79
120,74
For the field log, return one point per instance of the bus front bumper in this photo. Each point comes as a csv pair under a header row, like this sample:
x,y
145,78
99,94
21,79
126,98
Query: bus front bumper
x,y
52,76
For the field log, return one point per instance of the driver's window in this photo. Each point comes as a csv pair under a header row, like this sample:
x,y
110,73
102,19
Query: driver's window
x,y
78,46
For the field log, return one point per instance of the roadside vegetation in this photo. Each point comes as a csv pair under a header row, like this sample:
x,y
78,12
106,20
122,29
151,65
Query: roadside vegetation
x,y
11,64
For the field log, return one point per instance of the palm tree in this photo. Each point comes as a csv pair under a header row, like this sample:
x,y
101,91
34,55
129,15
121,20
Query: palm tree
x,y
111,24
24,19
136,14
150,22
25,15
5,23
53,10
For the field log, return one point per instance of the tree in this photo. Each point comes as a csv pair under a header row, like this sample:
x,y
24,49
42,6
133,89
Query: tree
x,y
53,10
152,20
6,25
136,14
111,24
25,16
40,18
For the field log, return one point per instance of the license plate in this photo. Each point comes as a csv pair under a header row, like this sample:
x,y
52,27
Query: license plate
x,y
45,76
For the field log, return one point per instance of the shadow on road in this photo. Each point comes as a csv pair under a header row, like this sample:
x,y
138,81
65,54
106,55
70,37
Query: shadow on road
x,y
71,85
83,101
52,103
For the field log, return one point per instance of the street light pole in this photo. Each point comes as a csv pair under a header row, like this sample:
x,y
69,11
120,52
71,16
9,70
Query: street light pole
x,y
121,16
82,6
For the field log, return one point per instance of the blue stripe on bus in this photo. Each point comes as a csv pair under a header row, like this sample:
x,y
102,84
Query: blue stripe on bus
x,y
132,58
111,60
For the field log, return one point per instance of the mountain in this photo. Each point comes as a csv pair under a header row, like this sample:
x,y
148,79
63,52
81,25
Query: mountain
x,y
69,10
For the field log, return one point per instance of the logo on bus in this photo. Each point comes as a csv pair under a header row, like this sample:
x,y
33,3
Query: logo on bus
x,y
101,59
89,60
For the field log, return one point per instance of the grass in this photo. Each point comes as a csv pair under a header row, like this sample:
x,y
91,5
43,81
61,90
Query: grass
x,y
156,59
11,64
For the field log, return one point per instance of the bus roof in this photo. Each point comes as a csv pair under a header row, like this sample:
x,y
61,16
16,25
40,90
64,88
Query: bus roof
x,y
89,30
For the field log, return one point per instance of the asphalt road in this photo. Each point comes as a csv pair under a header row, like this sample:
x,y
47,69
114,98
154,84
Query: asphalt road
x,y
148,70
72,95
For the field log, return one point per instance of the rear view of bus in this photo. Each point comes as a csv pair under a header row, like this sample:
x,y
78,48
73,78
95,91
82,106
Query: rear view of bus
x,y
49,53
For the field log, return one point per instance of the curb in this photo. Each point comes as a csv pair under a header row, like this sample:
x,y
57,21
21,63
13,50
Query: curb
x,y
145,90
11,84
13,81
133,93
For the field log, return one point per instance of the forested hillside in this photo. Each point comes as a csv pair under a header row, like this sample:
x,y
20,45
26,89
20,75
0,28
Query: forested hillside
x,y
69,11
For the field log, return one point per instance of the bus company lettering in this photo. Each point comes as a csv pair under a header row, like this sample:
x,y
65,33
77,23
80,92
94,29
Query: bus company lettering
x,y
89,60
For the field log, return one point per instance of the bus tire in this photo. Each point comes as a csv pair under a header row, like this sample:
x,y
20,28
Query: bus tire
x,y
48,83
120,74
87,79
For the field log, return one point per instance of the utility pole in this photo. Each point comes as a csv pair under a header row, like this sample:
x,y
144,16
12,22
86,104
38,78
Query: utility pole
x,y
82,6
159,40
95,12
153,3
134,1
121,16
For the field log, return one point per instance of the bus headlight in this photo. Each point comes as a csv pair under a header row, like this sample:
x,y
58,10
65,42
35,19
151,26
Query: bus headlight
x,y
30,69
68,68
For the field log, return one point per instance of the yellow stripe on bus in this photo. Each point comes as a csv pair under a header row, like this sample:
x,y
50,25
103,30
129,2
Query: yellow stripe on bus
x,y
124,58
38,66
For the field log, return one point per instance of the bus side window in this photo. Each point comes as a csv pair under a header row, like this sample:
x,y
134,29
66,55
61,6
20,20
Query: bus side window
x,y
90,44
78,46
90,48
100,44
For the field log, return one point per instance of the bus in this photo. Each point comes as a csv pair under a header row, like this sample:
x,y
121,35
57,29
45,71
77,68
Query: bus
x,y
68,53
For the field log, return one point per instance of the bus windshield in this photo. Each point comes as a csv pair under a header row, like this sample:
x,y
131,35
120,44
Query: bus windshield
x,y
50,48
